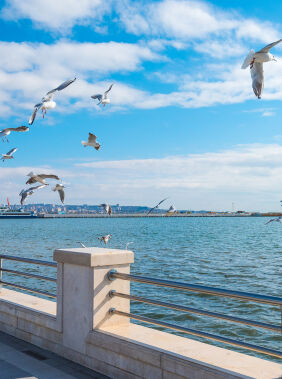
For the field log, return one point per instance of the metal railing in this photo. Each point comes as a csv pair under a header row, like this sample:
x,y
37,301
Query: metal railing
x,y
245,296
27,274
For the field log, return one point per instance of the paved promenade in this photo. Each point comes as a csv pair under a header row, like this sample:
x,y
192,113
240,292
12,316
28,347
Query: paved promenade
x,y
19,359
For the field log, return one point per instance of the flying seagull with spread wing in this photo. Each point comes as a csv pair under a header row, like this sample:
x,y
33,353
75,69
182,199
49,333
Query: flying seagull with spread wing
x,y
25,193
157,206
255,60
277,219
40,178
7,131
91,142
47,102
105,238
60,189
103,99
107,208
9,155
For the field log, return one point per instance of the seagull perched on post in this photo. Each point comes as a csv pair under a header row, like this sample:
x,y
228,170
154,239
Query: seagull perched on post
x,y
6,132
47,101
25,193
103,99
157,206
105,238
255,60
277,219
60,189
107,208
9,155
91,141
40,178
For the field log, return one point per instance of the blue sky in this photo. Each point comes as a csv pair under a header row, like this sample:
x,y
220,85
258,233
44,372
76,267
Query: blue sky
x,y
183,120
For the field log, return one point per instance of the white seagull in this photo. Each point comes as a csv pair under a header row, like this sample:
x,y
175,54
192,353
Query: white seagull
x,y
91,142
107,208
40,178
255,60
47,101
25,193
157,206
103,99
6,132
277,219
9,155
105,238
60,189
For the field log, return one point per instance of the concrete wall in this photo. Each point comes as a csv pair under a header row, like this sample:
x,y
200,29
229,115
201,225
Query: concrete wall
x,y
79,327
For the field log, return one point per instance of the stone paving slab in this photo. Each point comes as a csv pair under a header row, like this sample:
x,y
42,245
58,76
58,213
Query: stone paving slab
x,y
20,359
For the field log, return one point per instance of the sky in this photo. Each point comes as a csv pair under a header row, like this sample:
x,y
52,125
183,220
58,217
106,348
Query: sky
x,y
183,121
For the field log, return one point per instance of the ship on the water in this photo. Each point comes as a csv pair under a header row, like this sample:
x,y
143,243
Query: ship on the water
x,y
7,212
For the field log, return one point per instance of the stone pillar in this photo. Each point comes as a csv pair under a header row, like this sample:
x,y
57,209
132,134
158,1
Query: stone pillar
x,y
84,299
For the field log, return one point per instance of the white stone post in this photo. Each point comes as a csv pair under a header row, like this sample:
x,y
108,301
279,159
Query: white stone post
x,y
83,291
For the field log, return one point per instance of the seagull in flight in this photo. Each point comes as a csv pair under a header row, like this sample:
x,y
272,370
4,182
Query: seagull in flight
x,y
47,102
25,193
277,219
60,189
103,99
107,208
157,206
105,238
40,178
9,155
6,132
255,60
91,141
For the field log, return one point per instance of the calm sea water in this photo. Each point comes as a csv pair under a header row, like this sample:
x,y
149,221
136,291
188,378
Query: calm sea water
x,y
233,253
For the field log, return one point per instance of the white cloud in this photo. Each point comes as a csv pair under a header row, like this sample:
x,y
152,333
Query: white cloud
x,y
250,175
57,15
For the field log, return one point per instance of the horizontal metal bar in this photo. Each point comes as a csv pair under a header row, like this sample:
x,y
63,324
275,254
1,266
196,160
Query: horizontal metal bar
x,y
28,274
181,308
197,333
28,289
28,260
274,300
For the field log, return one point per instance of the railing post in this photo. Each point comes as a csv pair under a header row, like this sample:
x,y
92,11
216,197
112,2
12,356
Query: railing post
x,y
83,290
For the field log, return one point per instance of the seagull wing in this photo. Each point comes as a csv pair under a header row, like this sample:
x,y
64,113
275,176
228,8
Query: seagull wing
x,y
269,221
108,90
266,48
62,86
36,187
257,79
11,152
92,138
21,129
34,113
62,194
162,201
23,195
46,176
97,96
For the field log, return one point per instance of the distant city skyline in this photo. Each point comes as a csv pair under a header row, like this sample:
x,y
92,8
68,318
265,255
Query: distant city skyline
x,y
183,121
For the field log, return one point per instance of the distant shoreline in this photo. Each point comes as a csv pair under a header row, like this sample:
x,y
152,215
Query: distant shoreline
x,y
132,215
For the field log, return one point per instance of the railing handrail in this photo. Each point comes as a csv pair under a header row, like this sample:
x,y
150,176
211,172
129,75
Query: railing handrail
x,y
198,333
20,273
202,312
29,260
28,289
266,299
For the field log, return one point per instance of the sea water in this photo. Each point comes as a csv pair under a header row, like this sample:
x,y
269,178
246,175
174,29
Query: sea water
x,y
234,253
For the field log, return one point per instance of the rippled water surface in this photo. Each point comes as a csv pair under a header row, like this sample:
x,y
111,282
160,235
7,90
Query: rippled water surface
x,y
233,253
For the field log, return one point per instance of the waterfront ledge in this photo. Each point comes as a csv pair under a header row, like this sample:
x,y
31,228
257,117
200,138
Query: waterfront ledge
x,y
79,326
